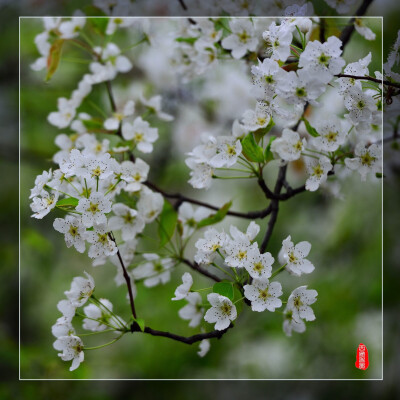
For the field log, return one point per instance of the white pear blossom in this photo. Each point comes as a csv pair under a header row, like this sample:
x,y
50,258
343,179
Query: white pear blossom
x,y
279,38
222,312
227,152
94,209
323,60
66,308
150,204
360,104
259,266
102,245
207,246
65,114
193,311
291,324
201,173
62,327
289,146
81,289
204,348
113,122
267,74
102,315
294,257
239,131
141,133
73,230
42,205
40,182
341,6
317,170
367,160
301,87
189,218
256,119
127,220
154,105
242,39
263,295
299,303
332,134
363,30
71,29
183,290
71,348
359,68
134,174
155,271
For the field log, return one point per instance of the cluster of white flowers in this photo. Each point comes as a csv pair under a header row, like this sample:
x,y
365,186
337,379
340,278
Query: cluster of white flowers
x,y
282,93
99,317
240,252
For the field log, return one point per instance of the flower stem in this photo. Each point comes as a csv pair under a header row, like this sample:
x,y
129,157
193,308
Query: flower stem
x,y
278,271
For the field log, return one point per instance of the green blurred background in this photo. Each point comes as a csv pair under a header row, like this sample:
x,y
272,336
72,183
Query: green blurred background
x,y
346,238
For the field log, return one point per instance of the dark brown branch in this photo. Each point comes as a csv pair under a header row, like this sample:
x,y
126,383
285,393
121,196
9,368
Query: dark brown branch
x,y
111,97
198,268
181,199
126,276
183,5
322,29
348,31
369,78
184,339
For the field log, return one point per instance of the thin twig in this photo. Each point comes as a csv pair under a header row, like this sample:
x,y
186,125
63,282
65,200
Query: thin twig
x,y
201,270
369,78
126,276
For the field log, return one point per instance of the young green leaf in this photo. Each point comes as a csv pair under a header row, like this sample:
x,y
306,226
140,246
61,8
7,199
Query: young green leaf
x,y
224,289
268,156
312,131
215,218
251,150
94,12
189,40
53,60
168,220
236,296
260,133
69,201
99,24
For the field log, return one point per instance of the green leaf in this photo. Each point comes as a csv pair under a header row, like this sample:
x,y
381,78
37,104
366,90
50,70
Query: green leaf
x,y
215,218
99,24
251,150
168,220
68,201
312,131
224,289
379,175
140,322
94,11
93,124
189,40
260,133
268,156
237,294
53,60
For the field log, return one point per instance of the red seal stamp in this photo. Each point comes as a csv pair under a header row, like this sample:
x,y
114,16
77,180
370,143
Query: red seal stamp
x,y
362,357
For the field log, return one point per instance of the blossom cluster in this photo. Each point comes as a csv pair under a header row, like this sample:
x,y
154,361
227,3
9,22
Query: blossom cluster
x,y
288,80
240,252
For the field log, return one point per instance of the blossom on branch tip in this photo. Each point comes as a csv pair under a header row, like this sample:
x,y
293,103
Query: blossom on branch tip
x,y
142,134
71,348
263,295
74,231
189,218
94,209
126,219
183,290
299,303
294,257
222,311
80,291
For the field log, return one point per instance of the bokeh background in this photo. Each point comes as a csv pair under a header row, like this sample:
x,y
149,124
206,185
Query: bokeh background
x,y
346,250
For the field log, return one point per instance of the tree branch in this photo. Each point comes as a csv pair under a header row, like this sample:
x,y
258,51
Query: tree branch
x,y
181,199
369,78
198,268
126,276
184,339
